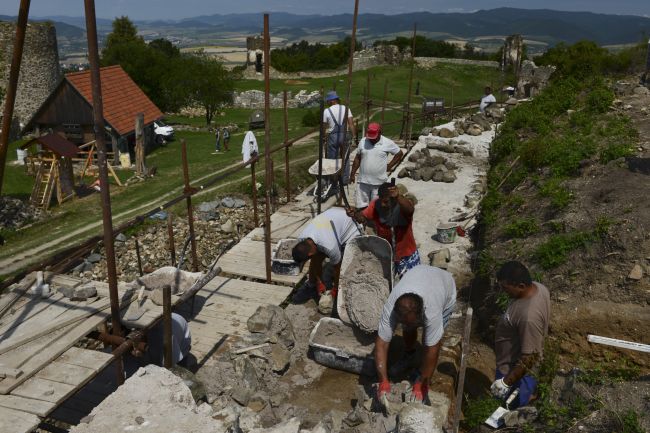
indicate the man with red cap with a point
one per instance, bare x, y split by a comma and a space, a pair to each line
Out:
372, 163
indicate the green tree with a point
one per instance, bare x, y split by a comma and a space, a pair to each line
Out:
206, 83
165, 46
123, 31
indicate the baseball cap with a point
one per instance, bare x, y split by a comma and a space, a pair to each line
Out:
331, 95
373, 131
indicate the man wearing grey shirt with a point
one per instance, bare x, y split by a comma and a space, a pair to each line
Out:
425, 296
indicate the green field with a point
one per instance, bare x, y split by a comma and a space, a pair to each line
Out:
84, 214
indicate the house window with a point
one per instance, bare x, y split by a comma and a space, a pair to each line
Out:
73, 132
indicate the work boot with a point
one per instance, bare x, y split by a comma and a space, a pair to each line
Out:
306, 292
406, 362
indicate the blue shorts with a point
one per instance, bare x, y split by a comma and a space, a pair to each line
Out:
407, 263
527, 386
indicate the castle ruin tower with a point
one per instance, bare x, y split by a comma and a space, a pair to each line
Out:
40, 71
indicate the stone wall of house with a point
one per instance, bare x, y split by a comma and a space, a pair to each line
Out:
39, 71
533, 78
255, 99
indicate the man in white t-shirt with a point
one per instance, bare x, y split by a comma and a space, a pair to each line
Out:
425, 296
372, 163
324, 237
487, 100
337, 131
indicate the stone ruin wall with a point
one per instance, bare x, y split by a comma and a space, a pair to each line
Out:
40, 71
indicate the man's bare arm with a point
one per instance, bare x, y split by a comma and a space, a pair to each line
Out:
395, 161
381, 358
429, 362
525, 363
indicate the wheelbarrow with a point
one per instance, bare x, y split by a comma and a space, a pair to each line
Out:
331, 170
354, 250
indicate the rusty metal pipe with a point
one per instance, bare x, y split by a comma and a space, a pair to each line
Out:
407, 139
383, 102
170, 235
12, 85
287, 179
98, 117
190, 211
256, 219
114, 340
137, 255
319, 179
167, 326
267, 149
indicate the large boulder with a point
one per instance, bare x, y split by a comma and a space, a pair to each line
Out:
447, 133
474, 130
482, 121
272, 321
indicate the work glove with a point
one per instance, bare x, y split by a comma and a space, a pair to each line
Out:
383, 389
320, 287
499, 389
419, 392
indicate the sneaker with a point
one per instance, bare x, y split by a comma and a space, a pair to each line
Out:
306, 292
406, 362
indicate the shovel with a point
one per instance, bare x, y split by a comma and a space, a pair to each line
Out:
496, 419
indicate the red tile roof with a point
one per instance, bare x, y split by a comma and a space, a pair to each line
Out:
122, 98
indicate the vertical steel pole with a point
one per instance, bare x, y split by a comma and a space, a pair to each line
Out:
368, 99
170, 233
12, 85
408, 97
452, 102
321, 135
98, 117
256, 219
383, 102
287, 180
267, 149
167, 326
137, 254
647, 66
190, 211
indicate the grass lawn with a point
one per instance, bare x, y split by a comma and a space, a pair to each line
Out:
467, 82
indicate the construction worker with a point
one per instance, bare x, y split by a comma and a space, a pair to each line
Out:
520, 333
372, 163
181, 342
324, 237
425, 296
337, 132
217, 136
487, 100
392, 217
226, 139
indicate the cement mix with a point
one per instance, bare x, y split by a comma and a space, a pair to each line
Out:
366, 291
284, 249
344, 338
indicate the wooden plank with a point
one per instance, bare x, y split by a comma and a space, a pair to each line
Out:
43, 389
92, 359
66, 373
623, 344
29, 405
25, 337
57, 344
240, 288
9, 372
16, 421
34, 307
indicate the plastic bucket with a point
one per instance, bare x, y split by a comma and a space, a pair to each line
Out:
21, 154
446, 233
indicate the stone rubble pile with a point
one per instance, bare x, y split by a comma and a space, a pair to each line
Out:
254, 99
428, 167
15, 213
217, 224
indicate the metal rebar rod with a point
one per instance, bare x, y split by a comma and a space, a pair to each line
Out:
408, 96
267, 149
170, 235
98, 117
137, 254
256, 219
190, 210
167, 326
319, 179
12, 84
287, 178
368, 99
383, 101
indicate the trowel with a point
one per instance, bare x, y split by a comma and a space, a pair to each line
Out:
496, 419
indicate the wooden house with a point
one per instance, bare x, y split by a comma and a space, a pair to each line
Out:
69, 110
51, 162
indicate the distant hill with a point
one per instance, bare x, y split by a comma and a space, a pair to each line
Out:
64, 30
546, 25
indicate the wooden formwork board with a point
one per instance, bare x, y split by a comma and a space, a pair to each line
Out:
247, 259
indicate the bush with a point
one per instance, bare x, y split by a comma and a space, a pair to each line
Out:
311, 118
521, 228
555, 251
599, 100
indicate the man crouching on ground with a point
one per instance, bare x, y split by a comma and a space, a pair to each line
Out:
425, 296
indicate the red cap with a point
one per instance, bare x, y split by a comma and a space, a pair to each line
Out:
373, 131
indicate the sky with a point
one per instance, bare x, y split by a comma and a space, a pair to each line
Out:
175, 9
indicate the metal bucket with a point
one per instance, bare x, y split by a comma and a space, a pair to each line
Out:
446, 233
